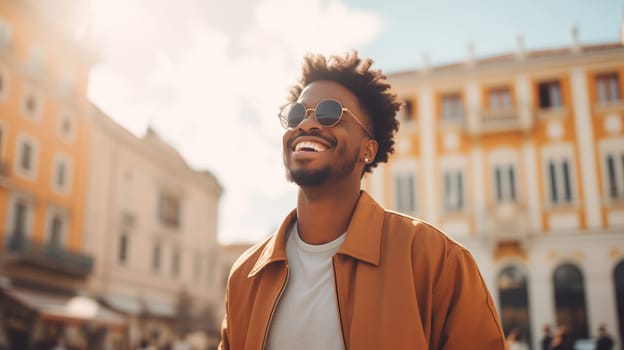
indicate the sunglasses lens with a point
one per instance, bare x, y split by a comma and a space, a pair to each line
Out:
292, 114
328, 112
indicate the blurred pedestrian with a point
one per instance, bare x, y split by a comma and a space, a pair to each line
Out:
547, 337
60, 344
515, 340
562, 340
145, 344
341, 271
604, 341
181, 344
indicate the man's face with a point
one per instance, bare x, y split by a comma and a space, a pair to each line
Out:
314, 154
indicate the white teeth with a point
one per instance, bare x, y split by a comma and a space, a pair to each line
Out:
308, 145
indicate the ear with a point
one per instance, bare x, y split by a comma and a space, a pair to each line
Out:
368, 151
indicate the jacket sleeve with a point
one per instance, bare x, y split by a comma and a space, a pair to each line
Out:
464, 315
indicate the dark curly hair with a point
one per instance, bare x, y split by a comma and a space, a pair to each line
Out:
369, 86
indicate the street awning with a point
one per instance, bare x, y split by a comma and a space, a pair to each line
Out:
127, 305
77, 309
160, 308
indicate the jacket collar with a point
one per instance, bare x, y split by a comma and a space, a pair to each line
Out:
363, 240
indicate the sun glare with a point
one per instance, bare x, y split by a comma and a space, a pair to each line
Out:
112, 19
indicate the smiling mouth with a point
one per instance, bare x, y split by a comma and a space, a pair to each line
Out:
309, 146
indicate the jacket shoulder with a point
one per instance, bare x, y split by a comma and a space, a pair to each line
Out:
421, 234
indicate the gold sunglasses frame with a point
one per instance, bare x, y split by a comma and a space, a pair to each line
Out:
284, 121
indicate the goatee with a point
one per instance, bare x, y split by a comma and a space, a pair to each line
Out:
317, 177
308, 178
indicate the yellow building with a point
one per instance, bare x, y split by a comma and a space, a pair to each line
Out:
44, 132
520, 157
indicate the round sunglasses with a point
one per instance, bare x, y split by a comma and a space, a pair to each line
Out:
327, 113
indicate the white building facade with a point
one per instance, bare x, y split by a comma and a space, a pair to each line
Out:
152, 229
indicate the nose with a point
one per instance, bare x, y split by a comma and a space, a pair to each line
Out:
309, 121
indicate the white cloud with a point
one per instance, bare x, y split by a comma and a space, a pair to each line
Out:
317, 26
216, 99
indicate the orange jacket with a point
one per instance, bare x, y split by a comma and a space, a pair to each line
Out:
400, 284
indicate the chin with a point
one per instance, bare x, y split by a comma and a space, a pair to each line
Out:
308, 178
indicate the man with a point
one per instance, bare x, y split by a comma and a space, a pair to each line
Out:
604, 341
547, 338
341, 272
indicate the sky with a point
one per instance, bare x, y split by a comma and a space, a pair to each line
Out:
209, 76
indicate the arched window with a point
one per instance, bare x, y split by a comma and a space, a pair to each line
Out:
570, 300
514, 301
618, 279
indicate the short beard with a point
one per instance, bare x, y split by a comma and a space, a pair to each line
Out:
313, 178
308, 178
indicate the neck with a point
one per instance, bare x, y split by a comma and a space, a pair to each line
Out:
324, 212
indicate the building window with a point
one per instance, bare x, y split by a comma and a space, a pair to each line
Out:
56, 227
32, 104
569, 289
505, 183
618, 279
453, 190
156, 252
406, 113
560, 181
499, 98
65, 126
122, 248
452, 107
4, 82
614, 164
20, 217
405, 194
169, 210
514, 301
26, 160
550, 94
55, 236
61, 174
608, 88
175, 263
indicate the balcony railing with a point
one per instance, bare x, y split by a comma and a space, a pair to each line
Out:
48, 257
507, 222
513, 118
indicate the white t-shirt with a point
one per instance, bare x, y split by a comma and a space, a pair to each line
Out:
306, 316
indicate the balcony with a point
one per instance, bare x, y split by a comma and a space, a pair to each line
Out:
513, 118
24, 251
507, 222
610, 106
